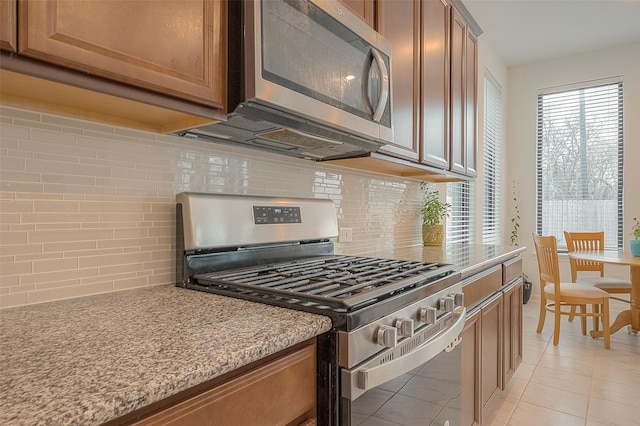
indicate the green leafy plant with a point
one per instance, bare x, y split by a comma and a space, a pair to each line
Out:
434, 211
635, 229
515, 222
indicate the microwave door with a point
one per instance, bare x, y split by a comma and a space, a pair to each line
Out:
314, 64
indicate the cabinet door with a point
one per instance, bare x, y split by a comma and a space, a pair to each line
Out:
471, 356
176, 47
458, 98
435, 81
491, 363
512, 353
399, 22
277, 393
8, 28
363, 8
470, 110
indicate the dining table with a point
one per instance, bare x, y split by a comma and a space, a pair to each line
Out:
629, 317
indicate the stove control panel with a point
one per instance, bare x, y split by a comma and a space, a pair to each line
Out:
267, 215
426, 315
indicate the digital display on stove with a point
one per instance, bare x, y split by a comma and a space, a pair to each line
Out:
264, 215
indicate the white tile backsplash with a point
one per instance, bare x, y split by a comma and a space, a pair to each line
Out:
87, 208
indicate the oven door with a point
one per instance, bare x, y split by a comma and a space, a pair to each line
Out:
417, 382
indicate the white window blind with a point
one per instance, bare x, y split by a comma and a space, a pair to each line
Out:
491, 161
459, 227
579, 160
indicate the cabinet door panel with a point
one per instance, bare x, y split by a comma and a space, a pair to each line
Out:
512, 354
170, 46
363, 8
470, 112
275, 394
398, 22
458, 99
8, 28
491, 366
508, 367
435, 77
471, 356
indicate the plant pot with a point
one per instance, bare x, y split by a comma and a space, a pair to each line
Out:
526, 291
634, 245
432, 235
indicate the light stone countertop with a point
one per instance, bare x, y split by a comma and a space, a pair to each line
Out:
468, 259
89, 360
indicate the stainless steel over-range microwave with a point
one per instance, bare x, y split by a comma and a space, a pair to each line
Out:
314, 82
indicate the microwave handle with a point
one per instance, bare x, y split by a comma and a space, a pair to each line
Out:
358, 381
384, 88
374, 55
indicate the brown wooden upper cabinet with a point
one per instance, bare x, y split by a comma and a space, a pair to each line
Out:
434, 74
175, 47
8, 28
436, 147
365, 9
399, 22
463, 86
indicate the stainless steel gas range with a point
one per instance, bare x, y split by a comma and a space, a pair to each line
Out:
393, 353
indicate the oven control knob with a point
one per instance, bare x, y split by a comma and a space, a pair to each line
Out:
458, 298
405, 327
387, 336
428, 315
446, 304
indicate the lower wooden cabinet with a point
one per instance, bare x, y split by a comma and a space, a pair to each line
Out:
282, 392
491, 338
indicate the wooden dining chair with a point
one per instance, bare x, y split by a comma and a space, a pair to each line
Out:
587, 241
583, 241
555, 295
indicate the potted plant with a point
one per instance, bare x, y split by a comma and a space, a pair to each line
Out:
634, 244
515, 222
434, 212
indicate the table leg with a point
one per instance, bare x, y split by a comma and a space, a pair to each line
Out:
635, 299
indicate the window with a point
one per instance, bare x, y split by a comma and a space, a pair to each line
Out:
459, 225
491, 160
579, 160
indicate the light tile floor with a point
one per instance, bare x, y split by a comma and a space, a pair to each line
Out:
578, 382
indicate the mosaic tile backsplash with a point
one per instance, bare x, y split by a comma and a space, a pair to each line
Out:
87, 208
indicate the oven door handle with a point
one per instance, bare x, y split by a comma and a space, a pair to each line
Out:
374, 373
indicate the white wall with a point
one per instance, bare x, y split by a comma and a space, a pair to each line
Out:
520, 143
489, 61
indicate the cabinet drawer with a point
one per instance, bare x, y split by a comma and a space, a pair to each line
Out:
482, 285
511, 269
280, 392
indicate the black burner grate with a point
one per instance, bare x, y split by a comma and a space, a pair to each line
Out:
341, 283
